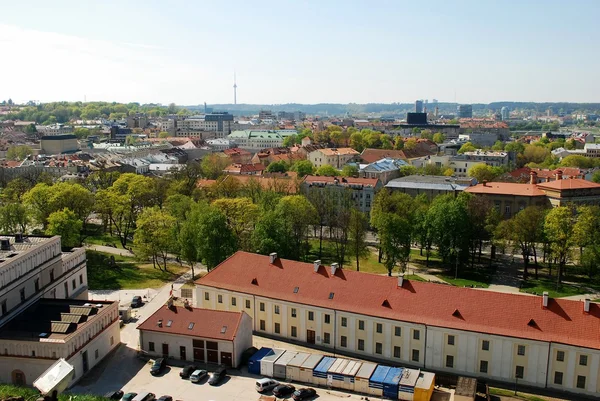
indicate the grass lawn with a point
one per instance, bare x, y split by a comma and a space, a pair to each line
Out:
477, 277
540, 285
97, 236
128, 273
7, 390
511, 393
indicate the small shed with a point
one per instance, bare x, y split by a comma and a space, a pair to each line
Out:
267, 362
424, 386
377, 379
342, 373
254, 361
280, 366
361, 379
391, 382
320, 376
306, 369
406, 387
292, 370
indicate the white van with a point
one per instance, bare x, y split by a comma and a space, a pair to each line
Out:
144, 397
263, 385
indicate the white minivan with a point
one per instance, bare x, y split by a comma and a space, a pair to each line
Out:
263, 385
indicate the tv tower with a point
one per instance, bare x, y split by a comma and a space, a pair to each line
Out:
234, 89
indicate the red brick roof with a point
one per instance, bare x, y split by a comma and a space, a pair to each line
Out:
563, 321
372, 155
349, 180
207, 323
506, 188
569, 183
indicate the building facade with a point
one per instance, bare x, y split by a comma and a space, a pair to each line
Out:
359, 191
536, 341
336, 157
255, 140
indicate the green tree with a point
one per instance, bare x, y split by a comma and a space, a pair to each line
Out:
558, 227
163, 134
19, 152
212, 165
298, 214
350, 170
357, 142
407, 170
81, 133
277, 167
271, 235
410, 144
155, 236
596, 176
327, 170
498, 146
467, 147
290, 141
241, 215
30, 129
577, 161
66, 224
516, 147
398, 143
438, 137
525, 231
14, 217
357, 233
482, 172
214, 239
303, 168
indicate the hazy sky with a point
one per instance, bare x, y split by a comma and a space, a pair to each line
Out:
309, 51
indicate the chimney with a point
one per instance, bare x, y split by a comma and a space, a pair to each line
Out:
533, 177
5, 245
273, 257
400, 280
334, 267
484, 183
586, 305
19, 237
545, 299
559, 174
317, 263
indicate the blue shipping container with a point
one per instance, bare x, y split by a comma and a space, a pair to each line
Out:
254, 361
378, 376
391, 383
321, 369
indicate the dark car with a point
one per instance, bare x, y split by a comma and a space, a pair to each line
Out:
128, 396
304, 393
217, 376
158, 366
165, 398
187, 371
283, 390
114, 395
136, 302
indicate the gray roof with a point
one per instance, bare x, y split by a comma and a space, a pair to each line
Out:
426, 185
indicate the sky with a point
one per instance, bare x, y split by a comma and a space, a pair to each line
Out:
299, 51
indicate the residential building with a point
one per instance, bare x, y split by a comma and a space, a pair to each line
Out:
499, 128
256, 140
537, 341
245, 169
197, 335
429, 185
483, 139
268, 156
295, 115
384, 170
58, 144
220, 144
137, 120
119, 134
238, 155
220, 122
336, 157
54, 129
360, 191
45, 312
266, 115
464, 111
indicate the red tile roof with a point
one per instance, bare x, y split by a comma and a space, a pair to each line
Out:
569, 183
506, 188
349, 180
563, 321
372, 155
207, 323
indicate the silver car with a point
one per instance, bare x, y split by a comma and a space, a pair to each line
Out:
198, 375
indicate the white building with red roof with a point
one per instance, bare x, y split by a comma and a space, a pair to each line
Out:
539, 341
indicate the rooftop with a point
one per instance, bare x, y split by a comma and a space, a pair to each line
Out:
313, 179
196, 322
17, 245
506, 188
386, 164
562, 321
338, 151
569, 183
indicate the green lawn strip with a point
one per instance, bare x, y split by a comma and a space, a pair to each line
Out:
540, 285
95, 235
511, 393
128, 273
477, 277
7, 390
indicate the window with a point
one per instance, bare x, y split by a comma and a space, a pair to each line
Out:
558, 378
4, 308
485, 345
449, 361
415, 355
361, 345
450, 340
293, 312
22, 292
191, 326
327, 319
277, 328
379, 328
206, 296
247, 304
73, 284
519, 371
326, 338
560, 356
276, 309
397, 352
361, 324
311, 315
483, 366
397, 331
294, 332
262, 325
583, 360
81, 279
233, 301
521, 350
220, 298
262, 306
416, 335
36, 284
344, 322
580, 381
378, 348
51, 274
96, 354
343, 341
151, 346
169, 323
507, 209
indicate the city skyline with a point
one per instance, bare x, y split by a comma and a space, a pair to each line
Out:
337, 52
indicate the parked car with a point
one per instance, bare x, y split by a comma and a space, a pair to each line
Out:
265, 384
158, 366
283, 389
187, 371
217, 376
165, 398
198, 375
128, 397
136, 302
145, 396
114, 395
304, 393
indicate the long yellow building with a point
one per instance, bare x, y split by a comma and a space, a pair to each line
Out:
537, 341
